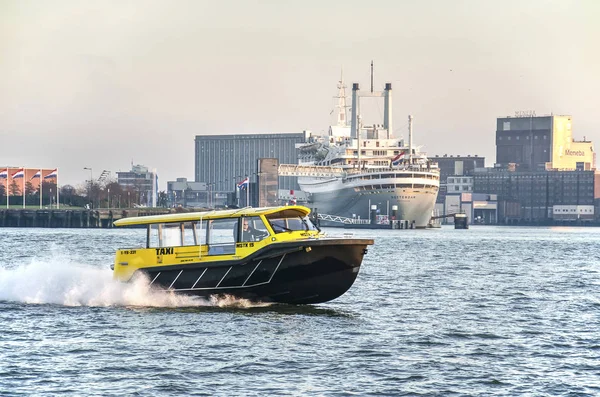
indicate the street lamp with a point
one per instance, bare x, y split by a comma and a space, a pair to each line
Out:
91, 181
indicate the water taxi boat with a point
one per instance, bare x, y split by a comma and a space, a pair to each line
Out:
273, 254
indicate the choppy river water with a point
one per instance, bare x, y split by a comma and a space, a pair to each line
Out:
485, 311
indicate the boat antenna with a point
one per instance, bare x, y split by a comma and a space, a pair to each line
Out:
371, 75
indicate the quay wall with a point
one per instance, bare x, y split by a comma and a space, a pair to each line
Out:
72, 218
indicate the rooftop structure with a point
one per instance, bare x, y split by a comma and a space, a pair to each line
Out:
531, 142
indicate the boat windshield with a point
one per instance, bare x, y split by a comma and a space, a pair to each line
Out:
291, 224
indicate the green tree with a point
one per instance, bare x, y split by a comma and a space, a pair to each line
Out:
30, 193
14, 188
111, 192
29, 189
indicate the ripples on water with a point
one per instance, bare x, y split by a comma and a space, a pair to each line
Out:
484, 311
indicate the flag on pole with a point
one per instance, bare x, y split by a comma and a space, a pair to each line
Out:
4, 174
37, 175
51, 175
243, 184
399, 157
19, 174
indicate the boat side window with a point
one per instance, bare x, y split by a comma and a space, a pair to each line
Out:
165, 235
192, 234
221, 240
253, 229
175, 234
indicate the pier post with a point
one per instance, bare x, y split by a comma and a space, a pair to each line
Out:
373, 214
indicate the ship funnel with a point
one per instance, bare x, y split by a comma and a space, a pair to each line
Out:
355, 111
387, 115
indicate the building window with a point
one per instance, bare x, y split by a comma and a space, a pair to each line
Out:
508, 138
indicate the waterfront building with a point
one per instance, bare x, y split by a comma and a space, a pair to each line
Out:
459, 184
184, 193
541, 173
222, 161
532, 143
534, 195
141, 183
456, 167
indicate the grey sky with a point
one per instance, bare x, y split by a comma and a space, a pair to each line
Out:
102, 83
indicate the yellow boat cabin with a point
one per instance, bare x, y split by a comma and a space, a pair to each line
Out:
266, 254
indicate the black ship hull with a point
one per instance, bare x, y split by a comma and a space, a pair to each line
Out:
299, 272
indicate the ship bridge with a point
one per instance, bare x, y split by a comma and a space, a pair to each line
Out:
315, 171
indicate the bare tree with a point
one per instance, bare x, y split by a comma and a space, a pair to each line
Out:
110, 193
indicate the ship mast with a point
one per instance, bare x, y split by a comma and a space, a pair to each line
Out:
371, 76
341, 106
410, 122
358, 138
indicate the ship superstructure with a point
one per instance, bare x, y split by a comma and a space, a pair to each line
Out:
357, 168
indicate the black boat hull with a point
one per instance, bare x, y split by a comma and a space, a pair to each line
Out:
299, 272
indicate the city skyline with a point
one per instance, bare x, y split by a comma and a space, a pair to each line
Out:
104, 85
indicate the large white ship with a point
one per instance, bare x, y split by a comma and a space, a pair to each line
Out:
356, 169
